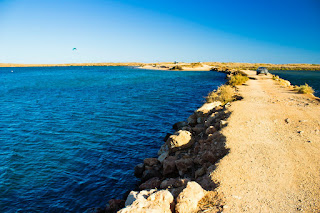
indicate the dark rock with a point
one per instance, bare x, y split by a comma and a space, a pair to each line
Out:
169, 165
148, 174
209, 157
198, 128
179, 125
211, 130
138, 170
114, 206
150, 184
183, 165
192, 120
150, 161
173, 182
166, 137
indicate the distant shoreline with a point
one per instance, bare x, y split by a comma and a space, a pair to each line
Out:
198, 66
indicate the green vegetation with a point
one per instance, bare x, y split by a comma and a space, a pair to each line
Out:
237, 80
224, 94
304, 89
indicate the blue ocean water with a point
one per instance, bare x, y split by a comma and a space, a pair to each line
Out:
300, 78
70, 136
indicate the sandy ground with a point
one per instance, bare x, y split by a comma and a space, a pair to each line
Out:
274, 162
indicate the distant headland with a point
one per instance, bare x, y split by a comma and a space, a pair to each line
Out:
203, 66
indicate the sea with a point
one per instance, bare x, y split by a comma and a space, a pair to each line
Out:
71, 136
312, 78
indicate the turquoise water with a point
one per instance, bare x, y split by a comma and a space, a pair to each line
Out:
70, 136
301, 77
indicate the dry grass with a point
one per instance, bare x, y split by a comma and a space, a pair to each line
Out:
304, 89
211, 202
281, 81
237, 80
224, 94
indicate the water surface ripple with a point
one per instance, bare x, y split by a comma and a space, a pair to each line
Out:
70, 136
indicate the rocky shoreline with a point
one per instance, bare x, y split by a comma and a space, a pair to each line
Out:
182, 178
178, 179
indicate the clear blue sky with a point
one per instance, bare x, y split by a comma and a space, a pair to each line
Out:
46, 31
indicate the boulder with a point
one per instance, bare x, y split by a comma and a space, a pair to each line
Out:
200, 172
173, 182
207, 108
210, 120
163, 148
149, 201
150, 161
183, 165
180, 140
169, 165
133, 196
192, 120
115, 205
148, 174
150, 184
210, 130
163, 156
198, 128
179, 125
187, 200
138, 170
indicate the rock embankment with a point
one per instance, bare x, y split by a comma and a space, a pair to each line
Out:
179, 177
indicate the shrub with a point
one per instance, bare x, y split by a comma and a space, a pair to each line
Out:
239, 72
275, 77
224, 94
237, 80
177, 68
304, 89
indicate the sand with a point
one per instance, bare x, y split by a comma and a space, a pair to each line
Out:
274, 162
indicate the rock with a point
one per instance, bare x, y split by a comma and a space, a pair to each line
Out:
187, 200
148, 174
286, 83
149, 201
150, 161
133, 196
180, 140
200, 172
179, 125
200, 120
192, 120
166, 137
198, 128
206, 108
150, 184
163, 156
115, 205
287, 120
138, 170
183, 165
210, 130
173, 182
223, 123
169, 165
209, 157
211, 119
164, 148
176, 191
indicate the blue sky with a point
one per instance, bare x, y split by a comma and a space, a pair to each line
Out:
46, 31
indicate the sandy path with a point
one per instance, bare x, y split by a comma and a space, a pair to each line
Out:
273, 165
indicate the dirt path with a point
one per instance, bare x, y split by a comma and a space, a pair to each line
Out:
274, 162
